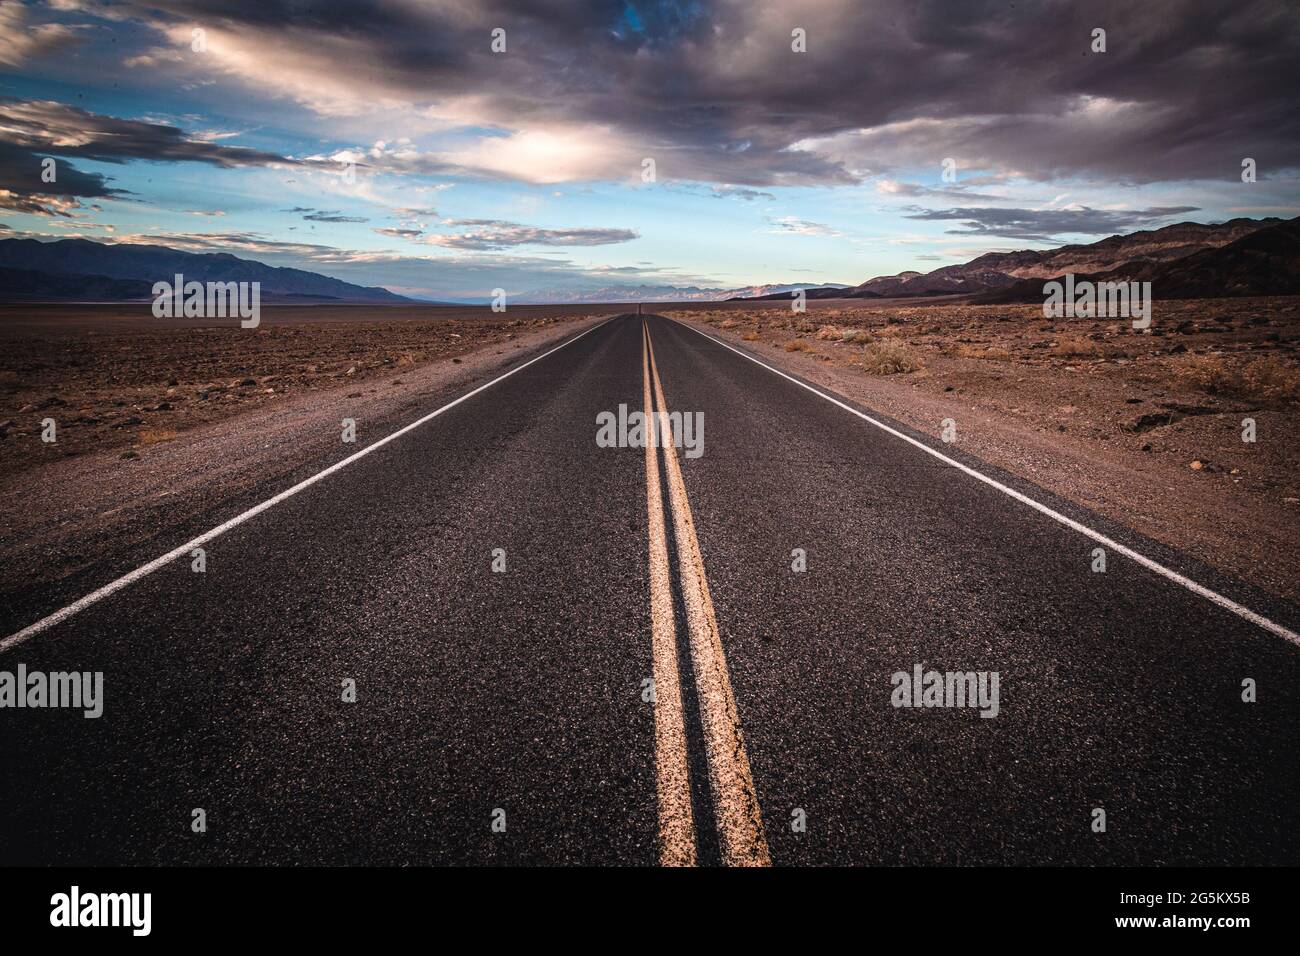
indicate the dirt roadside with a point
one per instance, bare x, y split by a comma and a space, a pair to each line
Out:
1145, 429
112, 376
63, 514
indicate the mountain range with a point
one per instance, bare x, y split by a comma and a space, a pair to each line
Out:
1264, 261
1239, 257
86, 271
1184, 260
83, 270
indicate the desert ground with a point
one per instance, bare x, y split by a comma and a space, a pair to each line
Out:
112, 376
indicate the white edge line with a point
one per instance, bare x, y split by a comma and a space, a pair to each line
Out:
1150, 565
112, 587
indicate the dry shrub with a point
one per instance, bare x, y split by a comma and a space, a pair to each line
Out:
750, 337
890, 357
1207, 373
828, 332
856, 335
1271, 377
1267, 378
1077, 348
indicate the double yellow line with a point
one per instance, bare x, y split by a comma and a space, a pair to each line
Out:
735, 805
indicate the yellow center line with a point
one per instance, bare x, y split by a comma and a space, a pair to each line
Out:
676, 823
735, 803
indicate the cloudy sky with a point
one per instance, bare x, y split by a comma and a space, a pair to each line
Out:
390, 144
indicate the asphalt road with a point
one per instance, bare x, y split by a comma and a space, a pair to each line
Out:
525, 691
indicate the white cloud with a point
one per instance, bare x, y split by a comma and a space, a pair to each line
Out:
21, 41
802, 227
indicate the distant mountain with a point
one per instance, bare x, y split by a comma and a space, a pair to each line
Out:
949, 280
657, 293
993, 271
35, 284
972, 277
1262, 262
1266, 262
783, 290
80, 269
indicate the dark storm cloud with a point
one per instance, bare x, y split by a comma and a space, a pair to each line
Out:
33, 130
1046, 224
23, 187
1186, 89
48, 127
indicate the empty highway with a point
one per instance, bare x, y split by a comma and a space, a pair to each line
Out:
564, 652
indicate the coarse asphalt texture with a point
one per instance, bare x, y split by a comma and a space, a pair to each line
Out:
518, 697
